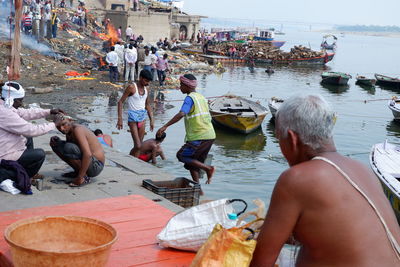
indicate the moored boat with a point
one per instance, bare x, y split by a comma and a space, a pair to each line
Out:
277, 44
237, 113
335, 78
387, 81
191, 51
394, 106
274, 104
362, 80
321, 60
385, 162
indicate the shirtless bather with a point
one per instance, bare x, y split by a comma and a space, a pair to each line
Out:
81, 150
151, 149
314, 201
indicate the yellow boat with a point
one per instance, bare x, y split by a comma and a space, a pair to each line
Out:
237, 113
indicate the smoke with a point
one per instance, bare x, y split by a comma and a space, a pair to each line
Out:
26, 41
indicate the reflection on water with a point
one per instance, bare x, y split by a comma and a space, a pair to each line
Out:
369, 88
336, 89
393, 128
229, 140
390, 88
271, 130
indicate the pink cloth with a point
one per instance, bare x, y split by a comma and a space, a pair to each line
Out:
14, 128
190, 83
162, 64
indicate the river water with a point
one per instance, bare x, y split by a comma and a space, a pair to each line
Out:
247, 167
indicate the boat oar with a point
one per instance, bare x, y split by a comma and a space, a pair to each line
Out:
381, 99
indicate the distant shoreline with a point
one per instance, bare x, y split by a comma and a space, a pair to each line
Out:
376, 34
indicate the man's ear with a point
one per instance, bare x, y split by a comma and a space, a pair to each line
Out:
293, 140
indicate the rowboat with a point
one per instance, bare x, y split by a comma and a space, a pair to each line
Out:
362, 80
325, 45
387, 81
274, 104
335, 78
237, 113
394, 106
385, 162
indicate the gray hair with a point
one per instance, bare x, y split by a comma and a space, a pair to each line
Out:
310, 116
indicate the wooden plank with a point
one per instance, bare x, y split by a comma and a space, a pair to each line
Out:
137, 220
146, 255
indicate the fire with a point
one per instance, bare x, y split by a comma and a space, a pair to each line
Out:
111, 35
102, 63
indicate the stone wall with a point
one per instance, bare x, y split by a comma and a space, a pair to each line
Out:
154, 25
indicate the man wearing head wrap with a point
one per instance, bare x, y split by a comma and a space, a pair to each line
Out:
200, 132
15, 130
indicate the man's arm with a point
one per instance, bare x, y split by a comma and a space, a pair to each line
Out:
129, 90
154, 153
186, 108
174, 120
33, 113
282, 216
82, 142
160, 150
150, 113
17, 125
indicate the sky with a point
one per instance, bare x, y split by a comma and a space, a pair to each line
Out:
338, 12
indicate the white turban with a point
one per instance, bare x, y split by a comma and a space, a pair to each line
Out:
10, 92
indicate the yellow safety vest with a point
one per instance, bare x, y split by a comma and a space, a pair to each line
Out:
198, 124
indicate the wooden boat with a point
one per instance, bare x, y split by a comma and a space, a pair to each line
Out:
325, 45
277, 44
335, 78
237, 113
362, 80
394, 106
191, 51
321, 60
274, 104
387, 81
385, 161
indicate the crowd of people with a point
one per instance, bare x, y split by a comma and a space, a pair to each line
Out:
126, 57
40, 18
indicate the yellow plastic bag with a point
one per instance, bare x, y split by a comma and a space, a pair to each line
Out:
227, 248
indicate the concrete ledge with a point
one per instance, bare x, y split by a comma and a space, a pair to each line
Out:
122, 175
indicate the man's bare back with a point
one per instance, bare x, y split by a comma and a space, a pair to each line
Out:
151, 149
359, 238
94, 145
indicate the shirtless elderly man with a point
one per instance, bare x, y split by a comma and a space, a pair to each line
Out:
314, 201
81, 150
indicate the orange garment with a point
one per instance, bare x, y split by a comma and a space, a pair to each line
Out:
75, 73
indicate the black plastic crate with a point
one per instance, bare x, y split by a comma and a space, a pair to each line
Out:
181, 191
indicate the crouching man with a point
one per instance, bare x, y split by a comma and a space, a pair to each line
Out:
81, 150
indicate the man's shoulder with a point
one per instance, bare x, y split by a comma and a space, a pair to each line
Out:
304, 174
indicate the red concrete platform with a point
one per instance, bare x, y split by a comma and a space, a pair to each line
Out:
137, 220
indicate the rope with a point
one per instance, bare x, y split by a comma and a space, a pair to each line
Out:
392, 240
